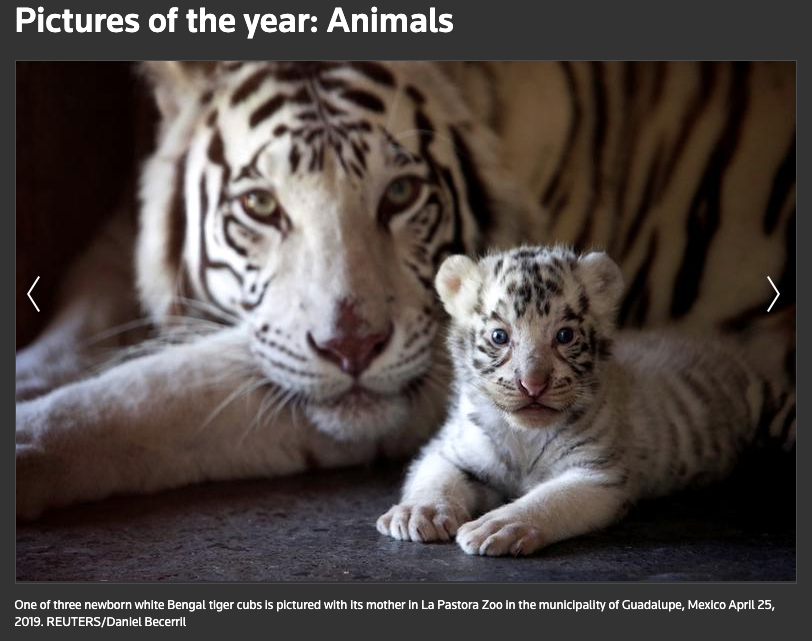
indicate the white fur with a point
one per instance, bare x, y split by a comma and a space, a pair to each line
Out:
67, 422
645, 431
186, 413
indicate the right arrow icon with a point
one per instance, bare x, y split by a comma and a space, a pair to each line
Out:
777, 294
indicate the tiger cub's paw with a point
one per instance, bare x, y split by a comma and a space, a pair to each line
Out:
422, 522
497, 534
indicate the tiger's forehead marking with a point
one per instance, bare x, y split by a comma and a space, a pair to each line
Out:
330, 101
541, 281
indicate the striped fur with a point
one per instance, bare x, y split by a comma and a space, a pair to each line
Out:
326, 139
622, 417
684, 172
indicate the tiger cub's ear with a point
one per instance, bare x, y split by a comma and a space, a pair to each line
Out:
457, 282
603, 281
174, 82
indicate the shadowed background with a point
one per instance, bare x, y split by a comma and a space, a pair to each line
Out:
82, 128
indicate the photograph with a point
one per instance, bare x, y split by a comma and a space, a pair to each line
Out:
405, 321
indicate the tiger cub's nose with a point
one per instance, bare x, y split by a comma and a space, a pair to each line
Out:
531, 385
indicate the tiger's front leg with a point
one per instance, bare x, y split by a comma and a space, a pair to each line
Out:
161, 421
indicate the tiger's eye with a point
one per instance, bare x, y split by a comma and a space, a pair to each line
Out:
259, 203
400, 191
499, 337
564, 335
400, 194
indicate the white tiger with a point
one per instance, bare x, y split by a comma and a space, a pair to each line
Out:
293, 216
559, 416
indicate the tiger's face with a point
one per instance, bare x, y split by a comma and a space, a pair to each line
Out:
313, 203
532, 328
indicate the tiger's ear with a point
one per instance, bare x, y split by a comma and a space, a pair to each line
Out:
174, 82
457, 282
603, 280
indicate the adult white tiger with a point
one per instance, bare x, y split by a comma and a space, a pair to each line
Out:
308, 205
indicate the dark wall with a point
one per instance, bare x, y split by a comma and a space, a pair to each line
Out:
81, 128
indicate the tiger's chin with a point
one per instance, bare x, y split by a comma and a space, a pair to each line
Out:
360, 414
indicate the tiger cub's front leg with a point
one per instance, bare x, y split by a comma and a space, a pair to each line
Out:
437, 499
161, 421
573, 503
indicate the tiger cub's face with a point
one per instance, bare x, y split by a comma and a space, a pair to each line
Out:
531, 328
314, 202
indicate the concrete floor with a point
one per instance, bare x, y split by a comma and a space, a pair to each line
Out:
319, 527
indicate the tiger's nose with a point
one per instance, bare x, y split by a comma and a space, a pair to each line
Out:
532, 386
352, 348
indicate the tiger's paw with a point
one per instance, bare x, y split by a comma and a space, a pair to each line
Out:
422, 522
498, 534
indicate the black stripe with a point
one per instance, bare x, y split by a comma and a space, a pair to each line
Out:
769, 405
788, 420
363, 99
375, 72
415, 95
250, 86
704, 215
217, 156
479, 200
359, 155
425, 129
702, 98
644, 205
783, 182
229, 220
787, 283
572, 134
660, 75
637, 295
632, 121
176, 231
250, 170
598, 142
298, 71
572, 447
552, 437
216, 151
250, 306
204, 259
700, 388
438, 218
266, 110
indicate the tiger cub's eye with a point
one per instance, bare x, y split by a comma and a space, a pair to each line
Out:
564, 335
499, 337
259, 203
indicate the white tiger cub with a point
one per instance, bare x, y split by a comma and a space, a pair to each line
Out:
557, 415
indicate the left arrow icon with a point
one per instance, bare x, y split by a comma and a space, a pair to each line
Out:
29, 294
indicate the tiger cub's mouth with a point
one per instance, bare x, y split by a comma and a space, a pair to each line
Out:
537, 408
537, 411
